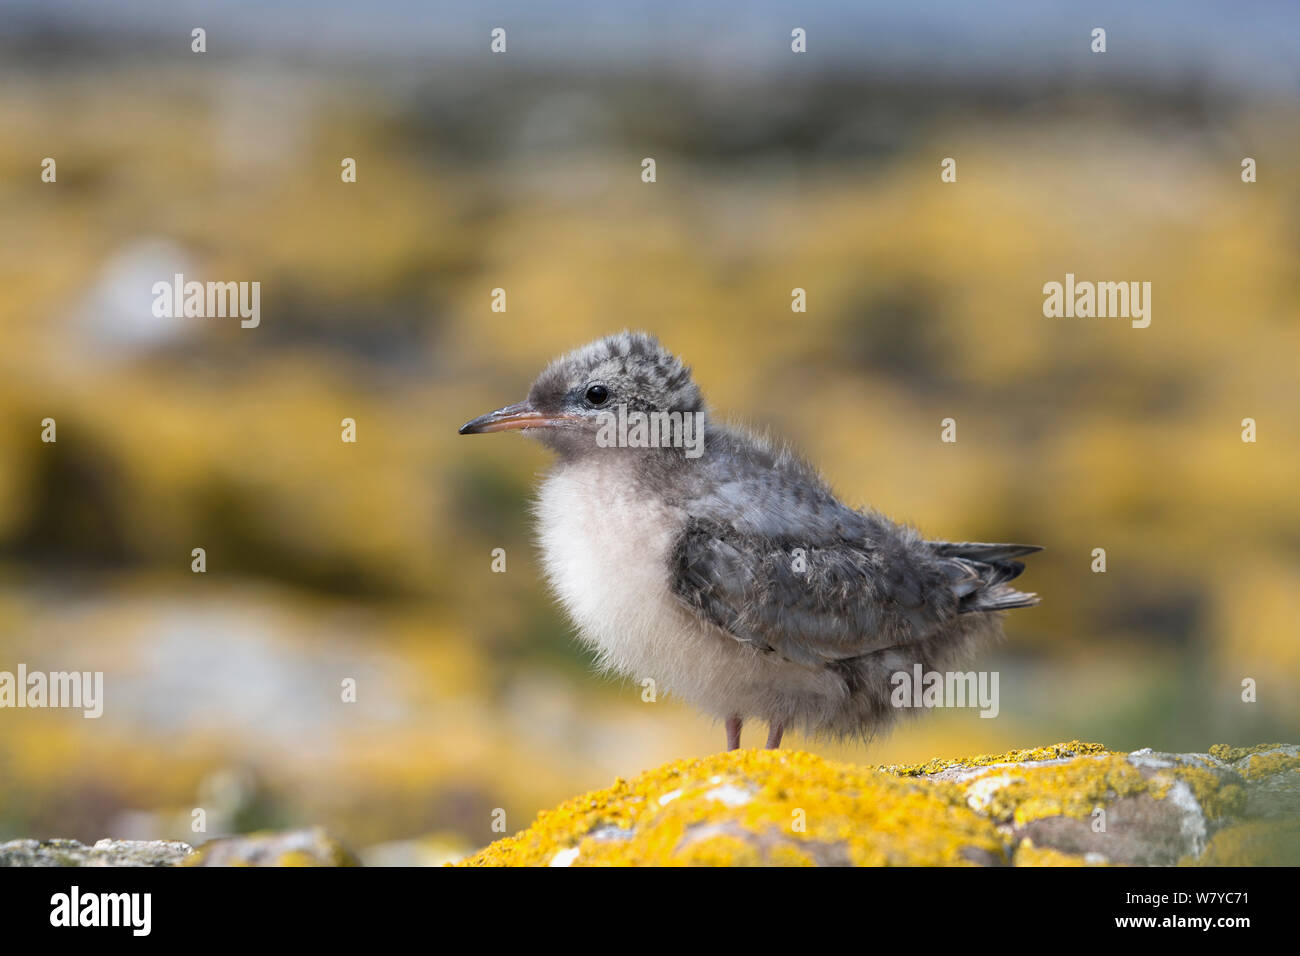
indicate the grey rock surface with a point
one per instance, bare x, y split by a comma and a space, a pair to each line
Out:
103, 853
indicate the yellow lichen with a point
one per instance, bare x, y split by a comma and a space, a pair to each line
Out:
1071, 789
1029, 855
757, 806
1230, 754
298, 858
720, 851
1219, 797
789, 808
1253, 843
1264, 765
1074, 748
788, 855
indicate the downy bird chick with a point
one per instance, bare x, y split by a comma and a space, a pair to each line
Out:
729, 573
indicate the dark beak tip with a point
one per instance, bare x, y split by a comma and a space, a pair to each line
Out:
511, 417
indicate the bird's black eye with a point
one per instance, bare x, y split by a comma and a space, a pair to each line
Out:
597, 395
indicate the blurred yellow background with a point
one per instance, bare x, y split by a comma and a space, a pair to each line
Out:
372, 560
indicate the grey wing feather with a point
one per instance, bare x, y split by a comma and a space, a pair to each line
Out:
833, 602
838, 599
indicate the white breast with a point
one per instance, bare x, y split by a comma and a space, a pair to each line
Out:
606, 551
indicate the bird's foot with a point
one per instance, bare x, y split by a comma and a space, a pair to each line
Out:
733, 732
734, 723
774, 733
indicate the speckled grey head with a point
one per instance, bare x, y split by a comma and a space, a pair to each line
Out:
632, 368
576, 392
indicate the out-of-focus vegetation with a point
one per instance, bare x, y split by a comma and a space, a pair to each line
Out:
371, 560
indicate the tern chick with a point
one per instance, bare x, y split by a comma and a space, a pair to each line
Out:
730, 574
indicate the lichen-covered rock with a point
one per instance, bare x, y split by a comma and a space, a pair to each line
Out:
1139, 808
754, 807
312, 847
1271, 778
1027, 854
1068, 804
1254, 843
103, 853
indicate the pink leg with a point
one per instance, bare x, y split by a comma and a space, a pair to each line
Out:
733, 732
774, 733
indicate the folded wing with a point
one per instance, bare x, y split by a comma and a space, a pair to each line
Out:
833, 600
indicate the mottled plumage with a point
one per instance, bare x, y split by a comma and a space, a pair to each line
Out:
737, 580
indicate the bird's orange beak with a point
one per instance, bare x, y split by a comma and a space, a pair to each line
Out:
518, 415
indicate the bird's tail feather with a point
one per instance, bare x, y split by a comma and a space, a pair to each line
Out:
997, 599
979, 551
980, 573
